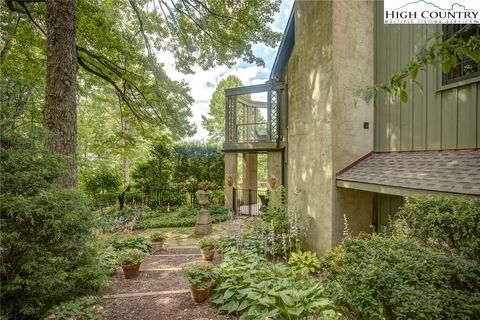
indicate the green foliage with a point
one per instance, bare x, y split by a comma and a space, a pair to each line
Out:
253, 288
200, 274
282, 231
132, 256
215, 122
26, 167
446, 223
306, 259
109, 259
197, 162
447, 53
374, 277
90, 307
241, 243
102, 184
122, 242
207, 244
181, 219
48, 251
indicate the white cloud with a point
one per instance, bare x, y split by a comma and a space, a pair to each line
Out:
201, 81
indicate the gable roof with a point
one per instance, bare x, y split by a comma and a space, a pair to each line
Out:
408, 173
285, 48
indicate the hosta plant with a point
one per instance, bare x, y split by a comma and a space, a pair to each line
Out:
306, 259
251, 287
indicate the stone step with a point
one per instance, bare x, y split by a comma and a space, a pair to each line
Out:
143, 294
149, 281
168, 261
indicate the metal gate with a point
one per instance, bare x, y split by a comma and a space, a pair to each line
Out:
249, 202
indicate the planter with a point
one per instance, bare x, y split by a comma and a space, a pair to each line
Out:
202, 197
130, 270
200, 295
208, 254
157, 246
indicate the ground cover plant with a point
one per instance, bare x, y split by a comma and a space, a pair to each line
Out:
122, 242
184, 217
250, 286
89, 307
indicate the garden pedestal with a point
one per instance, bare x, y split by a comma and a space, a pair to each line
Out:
204, 222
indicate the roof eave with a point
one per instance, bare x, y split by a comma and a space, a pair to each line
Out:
285, 47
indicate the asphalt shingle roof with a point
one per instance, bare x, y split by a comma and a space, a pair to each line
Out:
442, 171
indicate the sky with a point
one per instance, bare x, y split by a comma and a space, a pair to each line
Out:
203, 83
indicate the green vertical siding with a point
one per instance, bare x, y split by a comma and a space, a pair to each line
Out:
432, 119
386, 206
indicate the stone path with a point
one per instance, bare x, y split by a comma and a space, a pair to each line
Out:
159, 291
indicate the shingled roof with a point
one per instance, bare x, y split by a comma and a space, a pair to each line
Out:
402, 173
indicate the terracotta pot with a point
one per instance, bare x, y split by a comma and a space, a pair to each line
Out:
157, 246
208, 254
200, 295
130, 270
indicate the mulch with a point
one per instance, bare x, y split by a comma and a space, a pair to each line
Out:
177, 306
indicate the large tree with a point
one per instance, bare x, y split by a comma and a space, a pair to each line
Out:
123, 43
214, 123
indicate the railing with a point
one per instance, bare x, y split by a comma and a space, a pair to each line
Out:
249, 202
245, 118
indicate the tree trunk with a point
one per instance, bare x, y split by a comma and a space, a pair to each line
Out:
60, 113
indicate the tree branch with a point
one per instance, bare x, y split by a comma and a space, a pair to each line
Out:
140, 26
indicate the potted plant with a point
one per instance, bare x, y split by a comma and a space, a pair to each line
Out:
207, 247
131, 261
200, 276
158, 239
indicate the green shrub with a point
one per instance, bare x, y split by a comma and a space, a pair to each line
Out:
374, 277
183, 218
47, 251
253, 288
91, 308
102, 184
451, 223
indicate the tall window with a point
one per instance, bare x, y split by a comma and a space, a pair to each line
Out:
466, 68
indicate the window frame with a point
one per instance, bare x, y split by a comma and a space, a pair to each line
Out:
460, 81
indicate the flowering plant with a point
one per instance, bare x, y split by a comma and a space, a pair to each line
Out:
133, 256
199, 274
90, 307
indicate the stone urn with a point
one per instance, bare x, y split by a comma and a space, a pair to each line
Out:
204, 221
202, 197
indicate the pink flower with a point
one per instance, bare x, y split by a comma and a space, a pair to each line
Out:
52, 316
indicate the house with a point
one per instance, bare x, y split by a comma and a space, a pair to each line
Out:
339, 158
